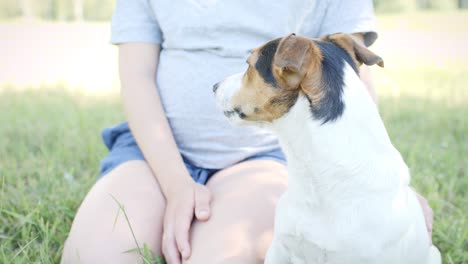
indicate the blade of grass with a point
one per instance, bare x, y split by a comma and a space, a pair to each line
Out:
22, 249
128, 222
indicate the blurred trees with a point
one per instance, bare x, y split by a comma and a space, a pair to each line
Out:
26, 8
72, 10
63, 10
394, 6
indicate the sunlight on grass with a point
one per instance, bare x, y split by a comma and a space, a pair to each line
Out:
445, 86
455, 21
77, 55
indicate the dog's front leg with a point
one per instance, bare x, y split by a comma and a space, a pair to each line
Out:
277, 254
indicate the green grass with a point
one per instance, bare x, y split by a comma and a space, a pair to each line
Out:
49, 156
50, 149
430, 131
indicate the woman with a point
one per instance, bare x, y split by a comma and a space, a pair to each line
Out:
178, 159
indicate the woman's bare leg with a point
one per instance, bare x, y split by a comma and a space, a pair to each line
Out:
94, 238
240, 228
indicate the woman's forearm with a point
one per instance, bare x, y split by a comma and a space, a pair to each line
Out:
146, 117
364, 71
366, 77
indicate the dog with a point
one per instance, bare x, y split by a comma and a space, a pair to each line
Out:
348, 198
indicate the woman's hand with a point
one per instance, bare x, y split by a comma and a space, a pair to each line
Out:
428, 214
182, 204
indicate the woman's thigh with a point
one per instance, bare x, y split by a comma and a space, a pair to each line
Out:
99, 234
241, 226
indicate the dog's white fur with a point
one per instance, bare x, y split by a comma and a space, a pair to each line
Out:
348, 198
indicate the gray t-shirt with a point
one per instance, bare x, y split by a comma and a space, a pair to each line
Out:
203, 41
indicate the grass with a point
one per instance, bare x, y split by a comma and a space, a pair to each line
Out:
146, 254
50, 149
430, 132
49, 156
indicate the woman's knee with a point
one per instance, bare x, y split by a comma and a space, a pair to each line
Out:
251, 175
245, 240
122, 210
241, 227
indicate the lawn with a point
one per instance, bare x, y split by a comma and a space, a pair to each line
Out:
50, 142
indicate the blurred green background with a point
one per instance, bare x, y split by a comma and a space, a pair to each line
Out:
59, 87
98, 10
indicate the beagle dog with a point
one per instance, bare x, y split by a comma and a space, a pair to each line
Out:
348, 199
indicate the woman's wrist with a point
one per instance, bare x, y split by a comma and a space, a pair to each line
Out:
178, 181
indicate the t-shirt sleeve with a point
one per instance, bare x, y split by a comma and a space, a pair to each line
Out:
350, 16
134, 21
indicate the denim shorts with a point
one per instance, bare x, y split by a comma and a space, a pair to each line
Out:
123, 147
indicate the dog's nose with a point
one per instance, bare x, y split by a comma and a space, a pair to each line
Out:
215, 87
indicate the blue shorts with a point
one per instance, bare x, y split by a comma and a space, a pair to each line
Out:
123, 147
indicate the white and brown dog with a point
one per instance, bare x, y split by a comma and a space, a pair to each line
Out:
348, 199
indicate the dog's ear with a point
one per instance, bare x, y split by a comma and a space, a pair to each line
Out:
359, 53
290, 58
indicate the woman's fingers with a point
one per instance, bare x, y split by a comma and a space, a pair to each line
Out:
179, 216
183, 222
169, 248
202, 202
428, 215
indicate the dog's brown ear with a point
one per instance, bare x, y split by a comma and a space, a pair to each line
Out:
291, 53
290, 58
359, 53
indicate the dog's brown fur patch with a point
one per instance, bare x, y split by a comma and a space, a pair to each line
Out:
358, 52
296, 67
261, 101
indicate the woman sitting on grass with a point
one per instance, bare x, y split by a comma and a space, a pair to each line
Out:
195, 189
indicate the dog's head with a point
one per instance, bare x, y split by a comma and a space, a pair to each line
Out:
285, 68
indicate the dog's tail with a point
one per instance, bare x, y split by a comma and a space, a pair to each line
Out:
434, 256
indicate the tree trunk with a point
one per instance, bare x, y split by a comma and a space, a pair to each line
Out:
423, 4
78, 10
463, 4
27, 9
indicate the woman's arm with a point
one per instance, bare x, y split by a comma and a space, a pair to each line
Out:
138, 67
364, 71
